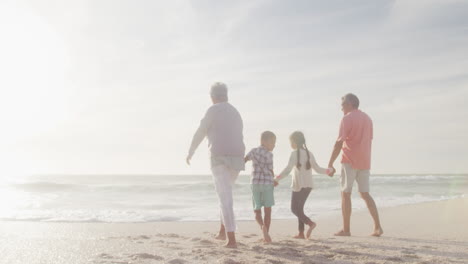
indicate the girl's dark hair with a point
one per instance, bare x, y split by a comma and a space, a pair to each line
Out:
298, 138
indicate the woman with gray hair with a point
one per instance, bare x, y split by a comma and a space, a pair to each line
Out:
223, 126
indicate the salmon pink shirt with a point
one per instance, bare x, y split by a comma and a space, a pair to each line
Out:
356, 132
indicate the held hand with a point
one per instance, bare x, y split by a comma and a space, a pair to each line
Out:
331, 171
275, 183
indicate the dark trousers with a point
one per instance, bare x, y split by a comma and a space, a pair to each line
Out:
298, 200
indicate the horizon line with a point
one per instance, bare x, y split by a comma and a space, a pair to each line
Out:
205, 174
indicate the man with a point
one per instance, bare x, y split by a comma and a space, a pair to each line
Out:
355, 139
223, 126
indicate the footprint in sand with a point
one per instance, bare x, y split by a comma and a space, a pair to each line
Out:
409, 254
347, 253
257, 248
206, 242
105, 256
285, 251
427, 262
328, 256
272, 261
229, 261
308, 262
429, 247
177, 261
396, 259
170, 235
250, 236
240, 244
145, 256
114, 262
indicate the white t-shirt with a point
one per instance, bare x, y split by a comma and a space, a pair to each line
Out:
302, 178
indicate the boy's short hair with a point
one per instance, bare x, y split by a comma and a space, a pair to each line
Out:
267, 135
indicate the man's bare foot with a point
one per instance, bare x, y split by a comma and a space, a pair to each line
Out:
311, 228
377, 232
299, 236
231, 245
342, 233
221, 236
266, 236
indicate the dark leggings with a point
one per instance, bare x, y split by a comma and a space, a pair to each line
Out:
298, 200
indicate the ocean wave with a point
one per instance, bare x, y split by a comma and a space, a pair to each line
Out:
45, 186
126, 199
206, 213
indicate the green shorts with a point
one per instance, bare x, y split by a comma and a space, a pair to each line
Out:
262, 196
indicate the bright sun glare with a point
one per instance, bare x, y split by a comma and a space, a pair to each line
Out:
33, 65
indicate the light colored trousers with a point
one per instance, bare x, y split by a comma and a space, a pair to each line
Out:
224, 179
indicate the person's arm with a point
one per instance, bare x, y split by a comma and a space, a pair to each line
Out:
200, 134
336, 151
292, 162
315, 166
345, 127
248, 157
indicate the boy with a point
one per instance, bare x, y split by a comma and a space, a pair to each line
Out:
263, 182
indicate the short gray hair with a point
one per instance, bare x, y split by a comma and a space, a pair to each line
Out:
352, 99
219, 90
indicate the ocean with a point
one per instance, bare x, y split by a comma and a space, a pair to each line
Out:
136, 198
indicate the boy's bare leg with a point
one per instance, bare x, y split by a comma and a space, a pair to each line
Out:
259, 218
222, 233
378, 231
267, 219
231, 236
266, 226
346, 211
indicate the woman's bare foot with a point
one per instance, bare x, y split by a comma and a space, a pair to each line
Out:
311, 228
231, 236
342, 233
377, 232
266, 236
299, 236
221, 236
231, 245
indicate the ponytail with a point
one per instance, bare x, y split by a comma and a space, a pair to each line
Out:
298, 164
308, 165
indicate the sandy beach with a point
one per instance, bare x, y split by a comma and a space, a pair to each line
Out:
435, 232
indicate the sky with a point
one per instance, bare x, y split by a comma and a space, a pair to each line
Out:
119, 86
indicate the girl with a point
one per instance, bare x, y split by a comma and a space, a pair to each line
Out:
302, 161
